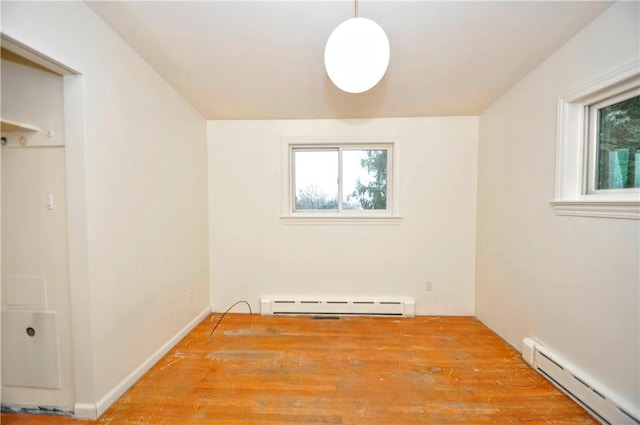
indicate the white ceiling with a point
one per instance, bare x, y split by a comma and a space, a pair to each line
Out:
264, 59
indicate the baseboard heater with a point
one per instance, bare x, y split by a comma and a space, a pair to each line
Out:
560, 373
399, 307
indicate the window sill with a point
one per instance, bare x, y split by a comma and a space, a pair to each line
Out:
324, 219
598, 208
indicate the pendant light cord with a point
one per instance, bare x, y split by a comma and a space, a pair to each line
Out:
356, 8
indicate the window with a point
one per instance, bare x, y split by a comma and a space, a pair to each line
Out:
614, 133
598, 156
350, 181
338, 179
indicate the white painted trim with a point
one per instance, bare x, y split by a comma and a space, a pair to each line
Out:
571, 188
593, 87
607, 209
85, 411
78, 245
112, 396
35, 56
341, 219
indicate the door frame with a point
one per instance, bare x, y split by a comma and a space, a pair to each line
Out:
77, 223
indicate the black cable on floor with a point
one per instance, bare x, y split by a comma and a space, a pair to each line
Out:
225, 313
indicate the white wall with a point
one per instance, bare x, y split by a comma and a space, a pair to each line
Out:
254, 254
146, 197
571, 283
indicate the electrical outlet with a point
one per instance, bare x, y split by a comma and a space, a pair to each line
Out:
428, 286
190, 297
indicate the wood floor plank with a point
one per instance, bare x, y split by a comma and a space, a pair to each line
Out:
357, 370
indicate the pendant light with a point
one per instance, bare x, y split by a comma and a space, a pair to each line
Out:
356, 55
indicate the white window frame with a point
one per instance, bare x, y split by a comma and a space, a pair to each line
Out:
575, 193
390, 216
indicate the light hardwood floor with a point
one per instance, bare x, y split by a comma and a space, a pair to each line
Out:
357, 370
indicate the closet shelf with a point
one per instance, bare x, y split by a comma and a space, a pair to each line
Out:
12, 126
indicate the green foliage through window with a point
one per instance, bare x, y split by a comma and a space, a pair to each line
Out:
372, 193
618, 163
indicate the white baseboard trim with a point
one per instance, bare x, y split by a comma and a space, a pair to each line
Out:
94, 411
85, 411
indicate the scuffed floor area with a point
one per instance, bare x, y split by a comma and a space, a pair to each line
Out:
357, 370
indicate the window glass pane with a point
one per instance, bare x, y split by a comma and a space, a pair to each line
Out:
364, 179
619, 145
316, 179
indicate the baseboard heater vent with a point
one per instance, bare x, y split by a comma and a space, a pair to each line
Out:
564, 376
402, 307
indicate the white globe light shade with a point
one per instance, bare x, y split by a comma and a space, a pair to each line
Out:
356, 56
